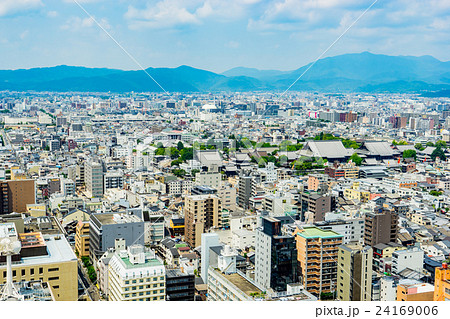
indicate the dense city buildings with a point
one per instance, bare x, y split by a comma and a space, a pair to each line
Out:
226, 196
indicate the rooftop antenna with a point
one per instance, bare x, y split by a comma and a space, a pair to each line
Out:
9, 246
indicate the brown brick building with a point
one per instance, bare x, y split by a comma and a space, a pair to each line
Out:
16, 194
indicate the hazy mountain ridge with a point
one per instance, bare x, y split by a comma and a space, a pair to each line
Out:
359, 72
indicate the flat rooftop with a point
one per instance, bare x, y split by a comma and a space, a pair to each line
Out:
315, 232
116, 218
241, 283
58, 249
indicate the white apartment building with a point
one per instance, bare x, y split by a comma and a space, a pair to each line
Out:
408, 258
136, 275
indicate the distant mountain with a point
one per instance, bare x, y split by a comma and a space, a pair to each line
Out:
253, 73
359, 72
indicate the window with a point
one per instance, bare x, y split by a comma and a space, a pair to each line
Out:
41, 270
23, 272
32, 271
14, 273
53, 278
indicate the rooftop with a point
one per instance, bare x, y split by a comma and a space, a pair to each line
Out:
315, 232
241, 283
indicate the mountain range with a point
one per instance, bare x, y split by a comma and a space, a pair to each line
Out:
357, 72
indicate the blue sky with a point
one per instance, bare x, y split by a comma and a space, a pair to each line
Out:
215, 35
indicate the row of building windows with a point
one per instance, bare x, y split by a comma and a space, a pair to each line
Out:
32, 271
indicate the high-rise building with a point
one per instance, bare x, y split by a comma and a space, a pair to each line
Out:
136, 275
201, 212
245, 191
314, 206
354, 275
16, 194
380, 226
94, 179
275, 255
317, 257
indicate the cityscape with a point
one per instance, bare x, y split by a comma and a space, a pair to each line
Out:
329, 182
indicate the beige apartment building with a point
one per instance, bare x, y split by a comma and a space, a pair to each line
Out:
201, 212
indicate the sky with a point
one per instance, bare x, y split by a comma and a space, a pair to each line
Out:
215, 35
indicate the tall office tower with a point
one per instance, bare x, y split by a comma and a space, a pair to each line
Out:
354, 279
380, 226
16, 194
276, 255
94, 179
201, 212
245, 191
317, 257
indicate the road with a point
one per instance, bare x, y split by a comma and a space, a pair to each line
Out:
91, 290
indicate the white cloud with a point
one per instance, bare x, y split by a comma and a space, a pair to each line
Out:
232, 45
166, 13
24, 34
173, 13
77, 23
52, 14
14, 6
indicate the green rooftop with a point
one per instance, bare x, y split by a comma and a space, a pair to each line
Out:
315, 232
148, 263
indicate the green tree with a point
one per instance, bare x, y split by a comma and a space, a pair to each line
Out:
178, 172
174, 153
187, 153
176, 162
438, 152
441, 144
419, 147
409, 154
355, 158
180, 145
160, 151
429, 144
195, 171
